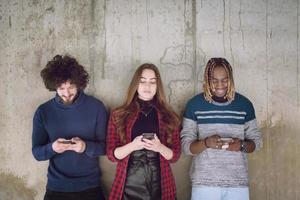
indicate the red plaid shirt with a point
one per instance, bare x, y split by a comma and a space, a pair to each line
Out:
168, 187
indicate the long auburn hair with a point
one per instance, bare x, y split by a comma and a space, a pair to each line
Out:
131, 106
208, 86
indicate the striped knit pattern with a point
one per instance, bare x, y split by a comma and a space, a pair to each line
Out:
236, 119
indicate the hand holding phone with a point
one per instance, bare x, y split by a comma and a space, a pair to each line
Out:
226, 139
67, 142
226, 142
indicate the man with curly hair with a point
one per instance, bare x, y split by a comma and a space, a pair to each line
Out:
69, 130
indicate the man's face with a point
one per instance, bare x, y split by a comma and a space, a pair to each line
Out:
219, 82
67, 92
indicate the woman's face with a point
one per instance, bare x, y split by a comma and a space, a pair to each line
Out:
147, 85
219, 82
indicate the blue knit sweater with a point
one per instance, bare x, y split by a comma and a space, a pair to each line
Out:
86, 118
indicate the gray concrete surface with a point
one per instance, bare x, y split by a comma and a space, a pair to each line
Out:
112, 37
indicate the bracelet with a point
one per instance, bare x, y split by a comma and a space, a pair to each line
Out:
243, 147
205, 143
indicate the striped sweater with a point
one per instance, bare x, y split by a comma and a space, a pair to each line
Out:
236, 119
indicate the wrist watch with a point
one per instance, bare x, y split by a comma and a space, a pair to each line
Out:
243, 146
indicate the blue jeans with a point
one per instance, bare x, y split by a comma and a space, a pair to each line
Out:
220, 193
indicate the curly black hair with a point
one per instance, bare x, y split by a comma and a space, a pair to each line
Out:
61, 69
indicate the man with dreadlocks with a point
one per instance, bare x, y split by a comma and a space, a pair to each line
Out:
219, 129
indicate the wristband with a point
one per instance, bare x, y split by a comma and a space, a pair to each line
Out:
243, 146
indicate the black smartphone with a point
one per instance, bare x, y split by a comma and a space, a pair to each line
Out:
148, 136
67, 142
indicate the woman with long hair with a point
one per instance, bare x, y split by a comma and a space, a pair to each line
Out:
143, 138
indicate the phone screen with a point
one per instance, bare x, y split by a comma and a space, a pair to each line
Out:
149, 136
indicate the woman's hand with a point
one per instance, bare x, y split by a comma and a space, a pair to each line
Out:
157, 146
123, 151
153, 145
138, 143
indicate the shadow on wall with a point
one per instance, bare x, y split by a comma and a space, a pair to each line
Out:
14, 188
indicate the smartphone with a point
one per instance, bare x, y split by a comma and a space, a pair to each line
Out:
226, 140
67, 142
148, 136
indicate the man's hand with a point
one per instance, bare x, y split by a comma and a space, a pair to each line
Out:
235, 145
59, 147
79, 145
213, 142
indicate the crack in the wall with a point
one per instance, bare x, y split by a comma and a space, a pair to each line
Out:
104, 47
230, 35
298, 102
92, 52
268, 141
9, 22
224, 17
194, 38
188, 29
132, 33
182, 55
298, 97
147, 16
240, 23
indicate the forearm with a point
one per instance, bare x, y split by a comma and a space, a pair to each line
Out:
123, 151
166, 152
43, 152
197, 146
94, 149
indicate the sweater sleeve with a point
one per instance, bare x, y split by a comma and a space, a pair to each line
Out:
97, 147
251, 129
176, 148
41, 146
189, 132
113, 140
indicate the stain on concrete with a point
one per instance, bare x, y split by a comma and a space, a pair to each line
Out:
35, 2
50, 9
9, 21
14, 188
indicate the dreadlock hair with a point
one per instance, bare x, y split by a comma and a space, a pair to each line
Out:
208, 86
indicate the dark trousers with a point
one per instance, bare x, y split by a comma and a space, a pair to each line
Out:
89, 194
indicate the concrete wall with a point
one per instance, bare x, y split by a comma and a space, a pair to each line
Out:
111, 38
